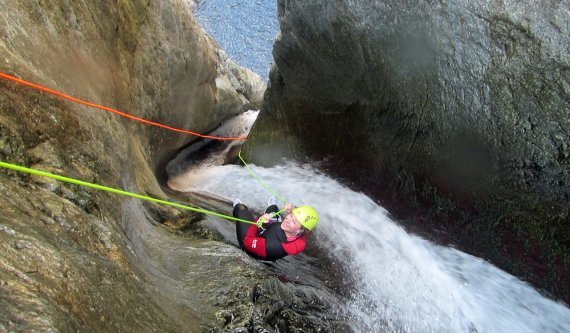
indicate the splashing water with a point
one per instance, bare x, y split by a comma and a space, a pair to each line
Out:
404, 283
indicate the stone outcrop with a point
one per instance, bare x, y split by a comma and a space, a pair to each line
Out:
238, 88
455, 115
74, 259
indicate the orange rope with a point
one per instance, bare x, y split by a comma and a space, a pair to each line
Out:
101, 107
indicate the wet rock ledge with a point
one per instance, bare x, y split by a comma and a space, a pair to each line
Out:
73, 259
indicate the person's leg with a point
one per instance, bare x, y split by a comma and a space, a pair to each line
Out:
241, 211
272, 208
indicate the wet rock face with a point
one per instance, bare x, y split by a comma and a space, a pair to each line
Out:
238, 88
456, 111
72, 258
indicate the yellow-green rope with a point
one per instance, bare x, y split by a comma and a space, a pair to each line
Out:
259, 180
116, 191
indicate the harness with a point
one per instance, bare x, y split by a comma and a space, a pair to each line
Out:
274, 236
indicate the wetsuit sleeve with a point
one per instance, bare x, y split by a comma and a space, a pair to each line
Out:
253, 244
294, 247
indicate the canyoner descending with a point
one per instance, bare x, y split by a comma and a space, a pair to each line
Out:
275, 235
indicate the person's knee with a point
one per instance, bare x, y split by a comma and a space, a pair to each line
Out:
272, 209
237, 208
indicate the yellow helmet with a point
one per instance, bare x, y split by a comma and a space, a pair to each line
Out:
307, 216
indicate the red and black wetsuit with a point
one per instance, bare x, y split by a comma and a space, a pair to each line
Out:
269, 244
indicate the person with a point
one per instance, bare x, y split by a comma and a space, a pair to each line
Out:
274, 236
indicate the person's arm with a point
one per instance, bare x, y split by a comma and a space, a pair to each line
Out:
265, 218
253, 244
295, 247
286, 210
289, 207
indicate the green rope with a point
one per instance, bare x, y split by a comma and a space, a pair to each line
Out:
259, 180
117, 191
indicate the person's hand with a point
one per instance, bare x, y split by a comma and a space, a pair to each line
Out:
289, 207
265, 218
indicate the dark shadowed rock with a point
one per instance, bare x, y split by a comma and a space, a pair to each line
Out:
455, 115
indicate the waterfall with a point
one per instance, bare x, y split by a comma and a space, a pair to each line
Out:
403, 282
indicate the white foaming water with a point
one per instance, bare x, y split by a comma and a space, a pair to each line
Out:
403, 283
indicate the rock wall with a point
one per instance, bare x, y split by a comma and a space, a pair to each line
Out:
74, 259
453, 114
